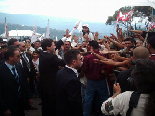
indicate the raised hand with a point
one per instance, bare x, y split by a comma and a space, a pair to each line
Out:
86, 37
96, 60
30, 102
106, 36
96, 34
7, 113
117, 29
67, 33
113, 36
120, 31
117, 88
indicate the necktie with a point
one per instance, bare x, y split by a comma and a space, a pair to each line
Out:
26, 61
14, 73
17, 79
77, 75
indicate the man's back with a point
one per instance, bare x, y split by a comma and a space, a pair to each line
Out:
48, 67
93, 70
123, 80
68, 93
48, 64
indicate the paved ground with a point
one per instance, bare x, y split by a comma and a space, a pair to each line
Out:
35, 112
38, 112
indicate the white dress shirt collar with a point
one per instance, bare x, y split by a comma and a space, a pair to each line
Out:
73, 70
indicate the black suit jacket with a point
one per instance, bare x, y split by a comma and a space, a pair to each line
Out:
9, 89
31, 74
122, 80
68, 93
48, 67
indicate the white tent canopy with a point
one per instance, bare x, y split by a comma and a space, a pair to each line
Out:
15, 33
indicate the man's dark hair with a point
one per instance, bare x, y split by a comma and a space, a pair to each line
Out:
12, 47
128, 39
37, 41
36, 52
68, 42
71, 55
84, 41
144, 79
11, 41
151, 41
10, 52
133, 41
94, 44
28, 39
4, 46
46, 43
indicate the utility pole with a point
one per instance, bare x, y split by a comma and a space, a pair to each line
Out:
5, 31
125, 22
153, 16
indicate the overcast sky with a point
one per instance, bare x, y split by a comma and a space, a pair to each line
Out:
86, 10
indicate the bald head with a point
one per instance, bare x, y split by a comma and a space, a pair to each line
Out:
22, 47
140, 53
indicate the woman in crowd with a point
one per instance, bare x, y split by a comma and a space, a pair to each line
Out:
35, 60
87, 35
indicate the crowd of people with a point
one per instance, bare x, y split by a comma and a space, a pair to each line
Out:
114, 75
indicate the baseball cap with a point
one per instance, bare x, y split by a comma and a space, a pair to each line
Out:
85, 25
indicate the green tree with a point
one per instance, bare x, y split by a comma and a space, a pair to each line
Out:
139, 11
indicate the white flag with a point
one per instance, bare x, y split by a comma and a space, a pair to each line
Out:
34, 38
42, 37
17, 33
77, 24
80, 26
6, 29
48, 31
56, 38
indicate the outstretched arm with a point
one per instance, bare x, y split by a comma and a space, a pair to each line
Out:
136, 31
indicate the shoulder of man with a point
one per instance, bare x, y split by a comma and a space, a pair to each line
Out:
46, 54
3, 68
64, 73
28, 54
2, 65
126, 72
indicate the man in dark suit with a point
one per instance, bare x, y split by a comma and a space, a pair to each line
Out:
26, 62
48, 66
14, 89
27, 65
68, 86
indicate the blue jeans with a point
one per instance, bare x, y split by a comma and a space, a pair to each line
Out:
95, 87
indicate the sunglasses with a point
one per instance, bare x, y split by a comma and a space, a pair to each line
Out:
18, 56
23, 46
